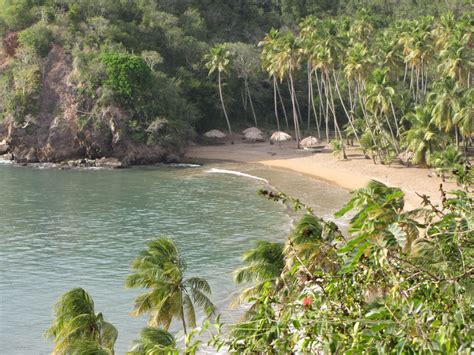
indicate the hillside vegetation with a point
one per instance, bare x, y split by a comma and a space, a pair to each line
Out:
124, 78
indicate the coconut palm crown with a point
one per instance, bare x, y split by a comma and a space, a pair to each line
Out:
160, 270
77, 329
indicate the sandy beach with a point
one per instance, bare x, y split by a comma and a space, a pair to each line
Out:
353, 173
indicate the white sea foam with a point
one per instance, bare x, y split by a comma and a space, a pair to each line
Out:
237, 173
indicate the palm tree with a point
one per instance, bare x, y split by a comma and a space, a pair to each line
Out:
268, 45
446, 161
464, 117
245, 62
77, 327
217, 60
311, 244
456, 59
417, 51
423, 136
379, 101
446, 103
264, 266
286, 61
361, 29
154, 341
160, 270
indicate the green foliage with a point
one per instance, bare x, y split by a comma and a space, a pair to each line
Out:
38, 37
22, 86
154, 341
127, 75
401, 283
160, 270
18, 14
447, 160
336, 147
77, 329
369, 63
264, 265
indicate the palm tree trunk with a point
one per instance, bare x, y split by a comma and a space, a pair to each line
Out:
366, 119
318, 84
313, 106
223, 107
275, 101
183, 320
324, 85
244, 99
283, 107
309, 95
336, 125
456, 136
349, 117
295, 114
395, 119
251, 102
395, 145
300, 117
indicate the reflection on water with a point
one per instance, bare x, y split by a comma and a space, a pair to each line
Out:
65, 229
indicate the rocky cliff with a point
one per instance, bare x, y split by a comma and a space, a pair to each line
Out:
55, 135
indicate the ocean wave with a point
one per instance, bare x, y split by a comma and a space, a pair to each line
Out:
236, 173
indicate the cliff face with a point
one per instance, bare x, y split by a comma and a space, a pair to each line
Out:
54, 134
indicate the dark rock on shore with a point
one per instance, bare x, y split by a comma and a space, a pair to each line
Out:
56, 135
4, 147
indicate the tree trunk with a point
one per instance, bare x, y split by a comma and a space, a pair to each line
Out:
395, 145
291, 88
309, 95
349, 117
223, 107
395, 119
366, 119
313, 106
326, 114
295, 114
251, 102
183, 320
275, 101
283, 107
244, 99
336, 125
318, 84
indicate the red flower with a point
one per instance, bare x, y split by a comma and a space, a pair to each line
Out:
307, 301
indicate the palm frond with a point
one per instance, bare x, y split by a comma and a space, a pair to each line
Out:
203, 301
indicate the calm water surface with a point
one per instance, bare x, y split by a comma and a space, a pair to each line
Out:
65, 229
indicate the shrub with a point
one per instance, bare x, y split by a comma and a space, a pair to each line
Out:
21, 98
127, 75
19, 14
38, 37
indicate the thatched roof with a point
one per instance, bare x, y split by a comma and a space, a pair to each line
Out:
254, 136
280, 136
309, 142
215, 133
251, 129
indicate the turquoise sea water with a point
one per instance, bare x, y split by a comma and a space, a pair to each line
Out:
65, 229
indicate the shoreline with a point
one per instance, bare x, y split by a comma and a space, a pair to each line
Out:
349, 174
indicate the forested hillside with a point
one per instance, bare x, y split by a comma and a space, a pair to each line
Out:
121, 76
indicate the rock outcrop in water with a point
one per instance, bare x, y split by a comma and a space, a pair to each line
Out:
55, 135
